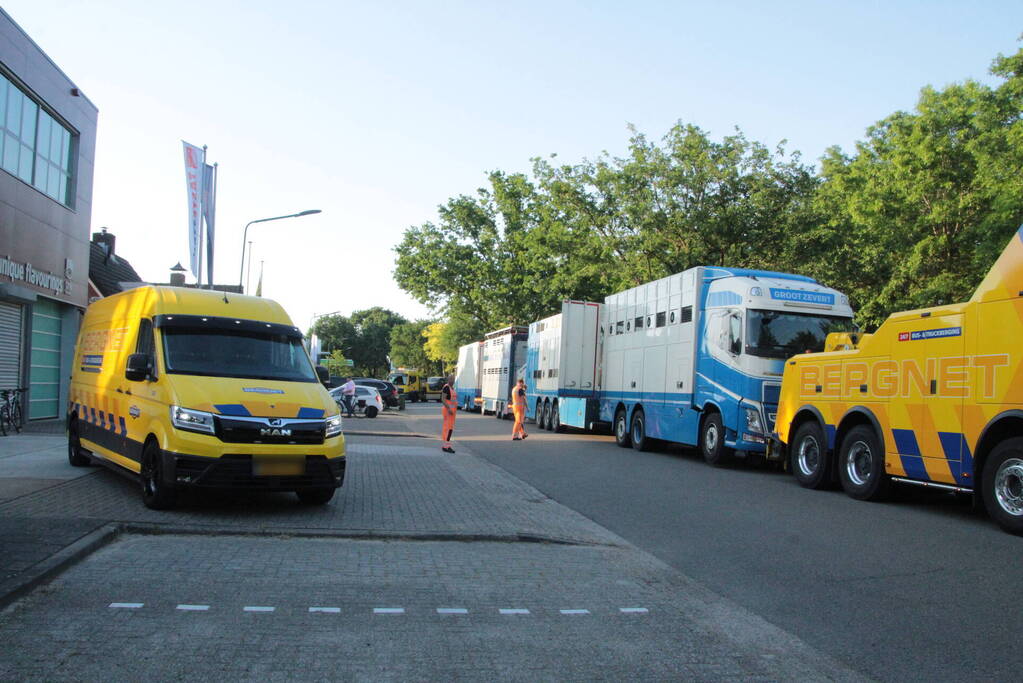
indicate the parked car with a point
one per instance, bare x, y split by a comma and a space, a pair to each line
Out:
388, 391
367, 400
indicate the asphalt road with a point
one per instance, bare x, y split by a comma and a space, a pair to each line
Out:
920, 588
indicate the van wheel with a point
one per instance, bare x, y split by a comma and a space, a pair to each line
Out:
156, 494
371, 411
638, 432
315, 496
74, 447
1003, 485
861, 465
556, 419
809, 457
712, 441
622, 430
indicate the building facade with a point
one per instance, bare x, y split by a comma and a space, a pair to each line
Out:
47, 148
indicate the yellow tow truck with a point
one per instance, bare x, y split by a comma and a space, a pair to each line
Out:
933, 398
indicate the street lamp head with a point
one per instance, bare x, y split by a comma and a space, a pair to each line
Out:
309, 212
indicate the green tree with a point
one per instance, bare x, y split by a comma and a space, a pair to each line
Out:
916, 217
337, 364
364, 337
408, 346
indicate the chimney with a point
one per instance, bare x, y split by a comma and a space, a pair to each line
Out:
177, 277
106, 239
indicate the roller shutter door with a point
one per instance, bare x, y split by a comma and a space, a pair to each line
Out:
11, 335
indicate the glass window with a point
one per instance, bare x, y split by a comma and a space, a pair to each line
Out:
43, 137
639, 323
36, 148
29, 112
228, 353
619, 327
65, 149
14, 110
25, 164
660, 319
776, 334
11, 148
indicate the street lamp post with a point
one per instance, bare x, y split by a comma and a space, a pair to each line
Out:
245, 234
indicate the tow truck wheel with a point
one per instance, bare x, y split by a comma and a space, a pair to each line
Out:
1002, 483
622, 429
74, 446
809, 457
712, 441
156, 493
638, 431
320, 496
861, 465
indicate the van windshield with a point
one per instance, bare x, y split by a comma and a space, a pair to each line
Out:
775, 334
236, 353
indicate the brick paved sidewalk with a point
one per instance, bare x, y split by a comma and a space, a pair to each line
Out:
396, 486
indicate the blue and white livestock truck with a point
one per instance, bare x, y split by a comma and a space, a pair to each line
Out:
696, 358
562, 366
468, 376
503, 362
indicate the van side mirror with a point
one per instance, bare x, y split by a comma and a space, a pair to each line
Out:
323, 374
139, 367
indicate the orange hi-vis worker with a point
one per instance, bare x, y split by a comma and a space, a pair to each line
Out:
449, 406
519, 408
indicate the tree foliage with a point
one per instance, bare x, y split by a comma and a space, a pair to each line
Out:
913, 216
408, 346
364, 337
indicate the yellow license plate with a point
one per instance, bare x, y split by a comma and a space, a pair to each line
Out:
276, 466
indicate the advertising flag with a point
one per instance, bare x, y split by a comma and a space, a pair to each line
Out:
193, 186
209, 211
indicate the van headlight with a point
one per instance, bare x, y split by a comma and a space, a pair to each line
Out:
192, 420
333, 426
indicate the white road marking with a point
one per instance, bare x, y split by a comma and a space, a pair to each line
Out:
126, 605
452, 610
326, 610
388, 610
256, 608
575, 611
514, 611
194, 608
633, 610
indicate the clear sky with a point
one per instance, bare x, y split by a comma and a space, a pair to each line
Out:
376, 113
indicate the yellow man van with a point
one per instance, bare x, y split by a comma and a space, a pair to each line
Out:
196, 388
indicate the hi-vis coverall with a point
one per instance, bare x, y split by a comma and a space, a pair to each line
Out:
519, 408
449, 405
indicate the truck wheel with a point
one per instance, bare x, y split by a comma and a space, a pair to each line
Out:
538, 415
545, 415
315, 496
809, 456
1003, 485
74, 447
622, 430
371, 411
861, 465
638, 432
156, 494
712, 441
556, 419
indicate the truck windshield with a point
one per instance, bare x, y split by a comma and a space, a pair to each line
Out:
397, 380
233, 353
776, 334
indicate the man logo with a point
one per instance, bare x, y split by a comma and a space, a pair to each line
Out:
274, 432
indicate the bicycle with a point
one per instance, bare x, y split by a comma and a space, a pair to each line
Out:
11, 416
